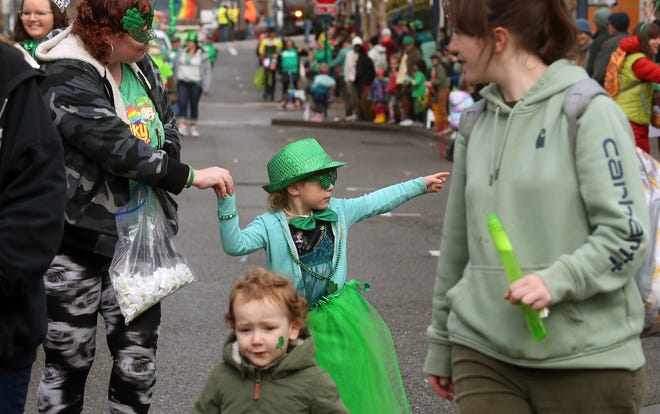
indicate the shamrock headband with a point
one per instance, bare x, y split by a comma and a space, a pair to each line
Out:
61, 4
138, 25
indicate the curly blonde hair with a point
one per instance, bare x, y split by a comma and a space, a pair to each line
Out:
259, 284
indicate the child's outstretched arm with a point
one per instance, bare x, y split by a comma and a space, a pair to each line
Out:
434, 182
388, 198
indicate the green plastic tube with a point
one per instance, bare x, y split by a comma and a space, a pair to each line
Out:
513, 272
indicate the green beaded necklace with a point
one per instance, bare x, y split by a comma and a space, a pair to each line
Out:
310, 271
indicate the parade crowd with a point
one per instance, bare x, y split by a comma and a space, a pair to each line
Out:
89, 125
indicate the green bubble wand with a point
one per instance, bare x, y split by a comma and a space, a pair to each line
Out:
513, 272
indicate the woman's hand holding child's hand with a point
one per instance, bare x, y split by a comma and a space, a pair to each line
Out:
435, 181
216, 177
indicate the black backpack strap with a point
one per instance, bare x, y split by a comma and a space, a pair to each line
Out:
576, 100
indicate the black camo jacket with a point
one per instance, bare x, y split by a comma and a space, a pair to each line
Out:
100, 153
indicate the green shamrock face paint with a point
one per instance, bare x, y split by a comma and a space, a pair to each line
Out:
138, 25
280, 343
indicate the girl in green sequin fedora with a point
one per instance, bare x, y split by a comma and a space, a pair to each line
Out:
304, 234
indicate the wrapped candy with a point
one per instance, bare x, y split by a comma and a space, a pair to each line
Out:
146, 266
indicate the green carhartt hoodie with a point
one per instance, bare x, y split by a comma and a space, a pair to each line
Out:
577, 217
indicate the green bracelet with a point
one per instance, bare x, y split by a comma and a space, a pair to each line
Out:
228, 216
192, 177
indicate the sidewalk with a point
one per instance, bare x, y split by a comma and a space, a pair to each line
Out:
335, 119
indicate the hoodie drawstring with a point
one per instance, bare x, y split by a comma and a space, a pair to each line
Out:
257, 388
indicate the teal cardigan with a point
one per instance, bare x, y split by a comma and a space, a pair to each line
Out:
270, 230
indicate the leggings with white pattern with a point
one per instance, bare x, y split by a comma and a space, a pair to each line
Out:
79, 289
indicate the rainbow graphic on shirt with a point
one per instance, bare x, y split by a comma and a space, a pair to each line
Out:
140, 118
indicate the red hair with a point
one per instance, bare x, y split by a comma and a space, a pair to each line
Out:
97, 20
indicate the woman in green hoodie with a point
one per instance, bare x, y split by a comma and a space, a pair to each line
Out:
576, 217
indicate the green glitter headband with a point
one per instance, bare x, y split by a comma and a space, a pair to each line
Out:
138, 25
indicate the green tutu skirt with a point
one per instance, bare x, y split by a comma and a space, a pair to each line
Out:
354, 345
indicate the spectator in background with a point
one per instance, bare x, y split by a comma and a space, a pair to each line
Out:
406, 73
388, 43
394, 103
337, 68
438, 90
250, 17
638, 74
378, 54
617, 27
322, 84
289, 64
419, 91
33, 186
583, 46
224, 21
210, 49
364, 76
424, 41
37, 18
308, 15
192, 69
378, 96
323, 54
352, 93
176, 47
601, 35
268, 52
233, 12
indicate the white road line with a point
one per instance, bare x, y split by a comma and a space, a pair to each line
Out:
354, 189
251, 122
401, 214
434, 253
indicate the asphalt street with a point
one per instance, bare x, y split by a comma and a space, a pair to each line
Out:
396, 253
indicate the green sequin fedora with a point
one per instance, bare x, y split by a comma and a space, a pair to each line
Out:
295, 161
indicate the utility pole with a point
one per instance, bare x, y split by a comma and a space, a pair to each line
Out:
582, 9
435, 21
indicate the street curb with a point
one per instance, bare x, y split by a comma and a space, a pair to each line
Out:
356, 125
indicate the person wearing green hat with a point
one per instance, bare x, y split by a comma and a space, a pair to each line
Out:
407, 69
192, 67
599, 37
304, 235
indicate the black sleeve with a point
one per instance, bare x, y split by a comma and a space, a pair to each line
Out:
32, 189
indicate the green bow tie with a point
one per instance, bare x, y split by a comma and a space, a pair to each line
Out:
309, 223
30, 46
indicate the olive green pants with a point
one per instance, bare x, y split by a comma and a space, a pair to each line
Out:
486, 385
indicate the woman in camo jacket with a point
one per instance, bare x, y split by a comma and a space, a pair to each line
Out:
113, 112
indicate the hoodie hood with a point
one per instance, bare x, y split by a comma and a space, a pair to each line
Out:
630, 44
67, 46
299, 355
556, 79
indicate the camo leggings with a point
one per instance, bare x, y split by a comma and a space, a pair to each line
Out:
78, 289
